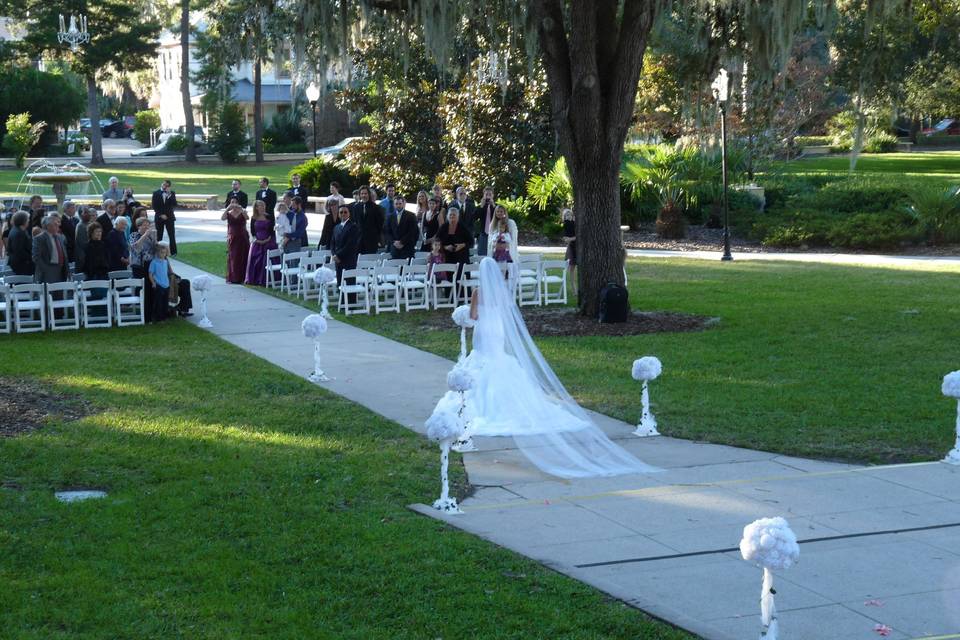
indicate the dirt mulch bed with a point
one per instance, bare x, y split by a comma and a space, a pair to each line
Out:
568, 322
29, 405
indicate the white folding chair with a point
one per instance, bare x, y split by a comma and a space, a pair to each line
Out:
444, 291
29, 308
414, 292
62, 301
121, 274
424, 255
469, 280
273, 267
553, 272
350, 287
385, 289
6, 308
14, 280
419, 260
528, 280
308, 286
128, 301
290, 271
97, 308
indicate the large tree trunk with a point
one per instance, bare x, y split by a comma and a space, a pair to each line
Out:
93, 107
191, 151
258, 107
593, 71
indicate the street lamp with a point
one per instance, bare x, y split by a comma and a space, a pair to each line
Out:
721, 90
73, 36
313, 95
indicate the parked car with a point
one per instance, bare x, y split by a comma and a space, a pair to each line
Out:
947, 126
129, 122
199, 135
337, 149
114, 129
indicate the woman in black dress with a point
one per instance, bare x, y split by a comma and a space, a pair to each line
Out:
456, 239
570, 237
433, 219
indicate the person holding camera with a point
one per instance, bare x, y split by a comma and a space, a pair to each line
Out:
485, 214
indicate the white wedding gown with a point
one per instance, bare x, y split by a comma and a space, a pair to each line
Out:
515, 393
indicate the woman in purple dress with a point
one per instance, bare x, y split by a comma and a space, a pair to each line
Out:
262, 242
238, 242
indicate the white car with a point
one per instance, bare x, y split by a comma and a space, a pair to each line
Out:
336, 149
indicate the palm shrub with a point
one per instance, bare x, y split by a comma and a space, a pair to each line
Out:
936, 210
229, 139
22, 136
657, 174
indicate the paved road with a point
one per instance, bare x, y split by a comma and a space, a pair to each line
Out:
879, 545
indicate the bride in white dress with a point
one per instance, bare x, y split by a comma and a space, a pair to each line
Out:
516, 393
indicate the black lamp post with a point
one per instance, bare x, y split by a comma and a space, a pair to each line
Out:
313, 95
721, 88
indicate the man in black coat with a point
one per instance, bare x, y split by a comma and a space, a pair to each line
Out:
467, 206
238, 194
20, 245
297, 189
401, 231
106, 218
345, 245
164, 202
269, 197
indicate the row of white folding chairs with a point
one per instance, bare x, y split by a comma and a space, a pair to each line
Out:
387, 287
31, 307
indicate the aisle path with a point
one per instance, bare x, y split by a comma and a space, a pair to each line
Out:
665, 543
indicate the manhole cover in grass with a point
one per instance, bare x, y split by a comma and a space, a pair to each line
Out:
28, 405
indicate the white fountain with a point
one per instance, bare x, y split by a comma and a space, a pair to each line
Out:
58, 176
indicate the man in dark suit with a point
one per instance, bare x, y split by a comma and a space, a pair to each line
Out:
269, 197
401, 231
297, 189
238, 194
49, 252
345, 245
467, 206
370, 219
164, 202
482, 217
106, 218
36, 211
68, 227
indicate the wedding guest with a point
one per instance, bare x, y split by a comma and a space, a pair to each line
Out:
345, 245
114, 193
118, 249
570, 238
96, 265
68, 227
159, 273
455, 238
436, 257
467, 208
296, 235
123, 212
36, 211
49, 252
82, 237
236, 194
332, 206
335, 189
434, 218
282, 226
262, 242
370, 219
143, 247
108, 216
387, 204
131, 200
269, 198
401, 231
164, 202
138, 213
238, 242
298, 190
483, 217
437, 192
20, 245
502, 237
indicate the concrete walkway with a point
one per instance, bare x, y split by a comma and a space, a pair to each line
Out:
879, 545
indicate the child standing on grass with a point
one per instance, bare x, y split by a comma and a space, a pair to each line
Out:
437, 256
160, 279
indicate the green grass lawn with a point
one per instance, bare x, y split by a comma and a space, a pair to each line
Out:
835, 362
201, 178
934, 165
245, 502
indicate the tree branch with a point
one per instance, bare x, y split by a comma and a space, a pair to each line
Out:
548, 17
638, 20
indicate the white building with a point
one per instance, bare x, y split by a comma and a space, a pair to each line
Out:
275, 83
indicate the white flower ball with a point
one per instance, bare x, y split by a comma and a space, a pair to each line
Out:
770, 543
324, 275
647, 368
443, 425
202, 283
314, 325
459, 379
951, 385
461, 317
